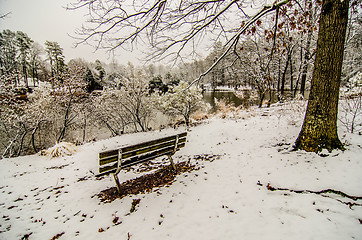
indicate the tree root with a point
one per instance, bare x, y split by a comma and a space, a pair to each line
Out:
322, 193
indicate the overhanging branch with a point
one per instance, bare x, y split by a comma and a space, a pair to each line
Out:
234, 40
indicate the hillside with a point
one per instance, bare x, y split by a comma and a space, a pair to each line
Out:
246, 184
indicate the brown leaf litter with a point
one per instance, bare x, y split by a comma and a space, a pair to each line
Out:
145, 183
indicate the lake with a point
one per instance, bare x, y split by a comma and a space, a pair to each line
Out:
243, 100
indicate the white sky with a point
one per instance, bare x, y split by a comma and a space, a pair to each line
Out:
48, 20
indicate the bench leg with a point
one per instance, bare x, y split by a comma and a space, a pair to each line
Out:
117, 183
171, 161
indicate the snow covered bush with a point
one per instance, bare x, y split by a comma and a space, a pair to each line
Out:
199, 116
12, 127
60, 150
350, 109
225, 109
250, 97
292, 111
71, 96
51, 113
181, 100
128, 109
41, 117
55, 110
135, 99
108, 111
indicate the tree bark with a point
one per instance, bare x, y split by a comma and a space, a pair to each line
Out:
25, 72
33, 136
305, 64
279, 72
84, 128
319, 130
284, 74
291, 79
307, 56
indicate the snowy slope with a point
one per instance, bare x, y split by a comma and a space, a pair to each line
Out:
42, 198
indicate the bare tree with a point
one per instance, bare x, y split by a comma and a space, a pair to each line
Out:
181, 101
350, 110
12, 130
5, 15
170, 28
135, 98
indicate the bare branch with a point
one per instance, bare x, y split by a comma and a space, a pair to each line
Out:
167, 25
3, 16
274, 37
234, 40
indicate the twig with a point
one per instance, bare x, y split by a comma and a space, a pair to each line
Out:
274, 38
234, 40
337, 192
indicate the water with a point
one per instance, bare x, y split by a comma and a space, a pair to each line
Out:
244, 99
230, 98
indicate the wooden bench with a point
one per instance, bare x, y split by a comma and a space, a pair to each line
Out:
113, 161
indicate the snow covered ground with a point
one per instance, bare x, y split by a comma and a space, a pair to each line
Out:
42, 198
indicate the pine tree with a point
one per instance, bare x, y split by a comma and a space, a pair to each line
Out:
8, 51
24, 43
90, 81
35, 61
56, 58
100, 69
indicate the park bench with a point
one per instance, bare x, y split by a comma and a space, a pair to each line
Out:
112, 161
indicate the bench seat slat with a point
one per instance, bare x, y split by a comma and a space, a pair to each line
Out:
108, 160
147, 149
147, 144
149, 156
150, 148
139, 158
108, 168
109, 153
145, 158
153, 142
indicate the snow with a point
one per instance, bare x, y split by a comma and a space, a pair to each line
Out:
43, 197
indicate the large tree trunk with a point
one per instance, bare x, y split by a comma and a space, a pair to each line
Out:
319, 129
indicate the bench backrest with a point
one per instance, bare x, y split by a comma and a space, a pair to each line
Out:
131, 155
